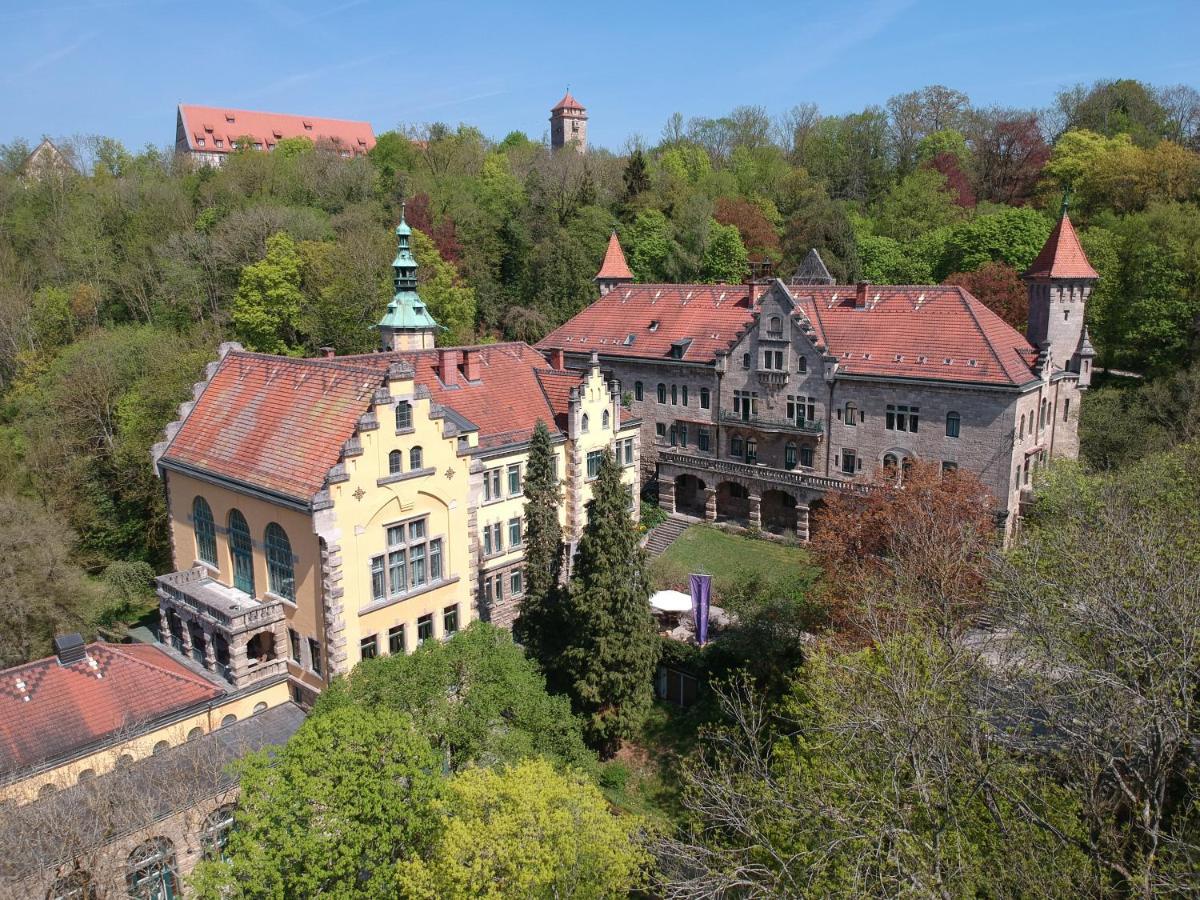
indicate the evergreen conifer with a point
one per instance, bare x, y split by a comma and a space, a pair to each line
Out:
537, 624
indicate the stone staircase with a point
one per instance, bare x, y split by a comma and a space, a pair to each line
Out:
663, 536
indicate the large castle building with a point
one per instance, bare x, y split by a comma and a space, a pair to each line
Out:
328, 510
208, 134
757, 399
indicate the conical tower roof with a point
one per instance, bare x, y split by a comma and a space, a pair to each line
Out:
567, 102
1062, 256
812, 270
614, 267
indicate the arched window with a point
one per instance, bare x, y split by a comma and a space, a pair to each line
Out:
584, 426
403, 415
195, 733
395, 462
76, 886
416, 459
86, 775
160, 747
662, 393
281, 572
241, 552
228, 720
952, 424
47, 789
214, 833
851, 414
260, 706
889, 461
801, 365
637, 391
775, 325
151, 871
206, 531
789, 456
604, 421
1022, 434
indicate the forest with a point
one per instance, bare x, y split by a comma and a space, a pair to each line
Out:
120, 275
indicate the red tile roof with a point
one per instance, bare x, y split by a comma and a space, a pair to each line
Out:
902, 331
115, 689
1062, 256
567, 102
711, 316
274, 422
208, 123
614, 265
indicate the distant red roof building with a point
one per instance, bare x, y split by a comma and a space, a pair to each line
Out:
1062, 255
211, 132
49, 708
614, 270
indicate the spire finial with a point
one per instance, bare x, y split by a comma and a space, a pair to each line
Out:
402, 205
1062, 213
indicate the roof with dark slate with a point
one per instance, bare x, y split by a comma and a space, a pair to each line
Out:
1062, 255
49, 710
812, 270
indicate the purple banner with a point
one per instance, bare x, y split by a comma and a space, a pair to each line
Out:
701, 586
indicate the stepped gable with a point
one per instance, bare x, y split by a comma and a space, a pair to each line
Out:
114, 688
614, 266
934, 332
646, 320
273, 422
1062, 255
202, 126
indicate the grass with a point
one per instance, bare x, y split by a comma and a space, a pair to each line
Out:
725, 556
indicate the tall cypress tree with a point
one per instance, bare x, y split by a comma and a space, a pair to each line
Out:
538, 623
609, 645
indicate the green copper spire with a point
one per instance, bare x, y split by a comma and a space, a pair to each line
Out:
406, 313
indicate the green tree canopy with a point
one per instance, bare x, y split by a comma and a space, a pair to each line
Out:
266, 308
539, 625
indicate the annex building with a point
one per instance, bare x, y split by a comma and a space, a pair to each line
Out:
757, 399
114, 776
328, 510
208, 134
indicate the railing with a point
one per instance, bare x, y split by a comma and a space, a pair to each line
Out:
761, 473
801, 427
174, 589
770, 376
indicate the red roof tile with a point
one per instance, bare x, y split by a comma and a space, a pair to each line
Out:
902, 331
274, 422
614, 265
116, 688
1062, 256
567, 102
268, 128
645, 320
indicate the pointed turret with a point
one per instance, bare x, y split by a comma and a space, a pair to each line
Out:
614, 270
812, 270
407, 324
1060, 282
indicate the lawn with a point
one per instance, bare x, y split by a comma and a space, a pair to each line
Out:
703, 548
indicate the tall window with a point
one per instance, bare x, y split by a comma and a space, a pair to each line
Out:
789, 456
214, 833
395, 462
514, 532
681, 433
773, 360
801, 365
516, 583
413, 560
403, 415
416, 459
685, 395
241, 552
801, 409
745, 360
851, 417
1022, 433
491, 485
637, 391
151, 871
903, 418
1066, 409
751, 450
705, 399
745, 404
775, 325
206, 531
662, 393
953, 422
704, 440
450, 620
396, 640
425, 628
593, 463
281, 574
314, 655
514, 479
806, 456
737, 446
849, 462
674, 395
605, 421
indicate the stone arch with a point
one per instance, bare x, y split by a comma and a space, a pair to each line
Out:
733, 502
689, 495
778, 511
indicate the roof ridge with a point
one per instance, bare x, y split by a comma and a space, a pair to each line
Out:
186, 675
967, 297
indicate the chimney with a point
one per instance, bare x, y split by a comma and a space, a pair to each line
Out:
448, 366
471, 364
69, 648
328, 352
860, 294
558, 359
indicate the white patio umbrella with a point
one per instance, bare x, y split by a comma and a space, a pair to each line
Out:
671, 601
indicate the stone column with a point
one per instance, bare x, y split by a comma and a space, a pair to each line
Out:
164, 625
755, 510
710, 504
802, 523
666, 494
210, 652
237, 659
187, 636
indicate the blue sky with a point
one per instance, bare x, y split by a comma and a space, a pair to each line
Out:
119, 67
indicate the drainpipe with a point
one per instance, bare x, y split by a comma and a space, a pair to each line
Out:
828, 428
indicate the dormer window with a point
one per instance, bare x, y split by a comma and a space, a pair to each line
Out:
679, 348
654, 324
775, 327
629, 339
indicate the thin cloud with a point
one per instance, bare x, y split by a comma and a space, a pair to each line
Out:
49, 59
870, 21
308, 75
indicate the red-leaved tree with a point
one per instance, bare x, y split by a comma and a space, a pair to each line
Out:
1000, 288
958, 182
759, 236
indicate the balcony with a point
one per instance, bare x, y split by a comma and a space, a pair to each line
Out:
226, 609
772, 377
803, 426
762, 473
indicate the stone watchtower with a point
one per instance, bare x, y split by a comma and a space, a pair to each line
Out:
1060, 282
407, 324
568, 124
